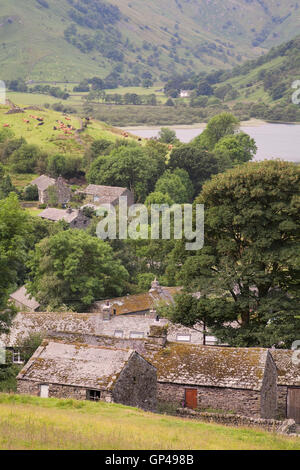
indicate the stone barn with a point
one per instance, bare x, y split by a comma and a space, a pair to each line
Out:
74, 217
288, 382
87, 372
97, 195
239, 380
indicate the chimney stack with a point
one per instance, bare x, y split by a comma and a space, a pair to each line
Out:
106, 311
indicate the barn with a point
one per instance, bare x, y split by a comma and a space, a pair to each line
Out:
86, 372
288, 383
238, 380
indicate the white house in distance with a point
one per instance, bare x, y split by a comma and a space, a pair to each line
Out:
185, 93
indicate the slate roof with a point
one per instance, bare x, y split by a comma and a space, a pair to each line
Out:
139, 302
59, 214
76, 364
23, 298
43, 182
104, 191
187, 364
287, 368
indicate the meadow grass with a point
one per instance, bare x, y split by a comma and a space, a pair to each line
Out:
35, 423
54, 141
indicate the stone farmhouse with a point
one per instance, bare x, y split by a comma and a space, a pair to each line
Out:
250, 381
22, 300
43, 184
254, 382
75, 218
97, 195
104, 329
82, 371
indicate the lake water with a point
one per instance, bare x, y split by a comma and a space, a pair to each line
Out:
273, 140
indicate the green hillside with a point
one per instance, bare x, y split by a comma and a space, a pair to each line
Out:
68, 40
56, 140
40, 424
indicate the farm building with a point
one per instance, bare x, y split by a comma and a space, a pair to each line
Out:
288, 382
75, 218
98, 195
74, 370
23, 300
115, 330
61, 190
239, 380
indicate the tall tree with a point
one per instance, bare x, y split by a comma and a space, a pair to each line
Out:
248, 272
13, 229
196, 161
73, 268
218, 127
129, 166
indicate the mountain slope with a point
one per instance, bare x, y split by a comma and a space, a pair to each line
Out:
75, 39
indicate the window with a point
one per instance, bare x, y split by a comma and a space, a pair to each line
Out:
93, 395
17, 357
183, 338
119, 334
106, 316
211, 340
136, 334
44, 391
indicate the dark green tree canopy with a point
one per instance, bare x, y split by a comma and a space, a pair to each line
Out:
196, 161
248, 272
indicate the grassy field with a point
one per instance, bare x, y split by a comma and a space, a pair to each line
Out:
35, 423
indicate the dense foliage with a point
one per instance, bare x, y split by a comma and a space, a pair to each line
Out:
248, 271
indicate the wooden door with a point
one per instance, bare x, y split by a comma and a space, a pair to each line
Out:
293, 410
191, 398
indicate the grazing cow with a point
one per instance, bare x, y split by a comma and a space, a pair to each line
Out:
6, 125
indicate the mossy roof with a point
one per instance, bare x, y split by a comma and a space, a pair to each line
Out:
288, 366
139, 302
188, 364
76, 364
26, 323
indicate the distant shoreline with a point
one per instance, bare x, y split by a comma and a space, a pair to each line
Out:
250, 123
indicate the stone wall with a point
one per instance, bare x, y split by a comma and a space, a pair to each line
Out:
282, 393
232, 419
269, 390
137, 384
28, 387
62, 190
81, 221
246, 402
